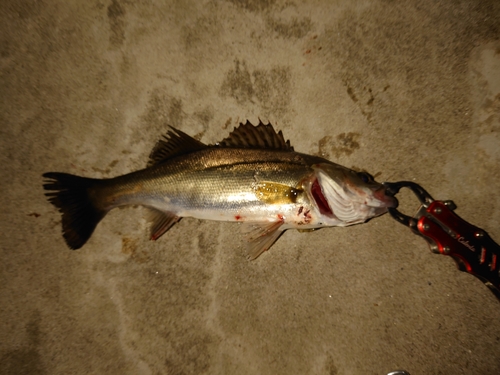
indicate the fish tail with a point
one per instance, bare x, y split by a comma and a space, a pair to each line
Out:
70, 194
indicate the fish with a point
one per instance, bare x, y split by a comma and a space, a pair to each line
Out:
253, 177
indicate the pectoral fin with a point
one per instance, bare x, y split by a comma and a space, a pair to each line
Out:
160, 222
260, 236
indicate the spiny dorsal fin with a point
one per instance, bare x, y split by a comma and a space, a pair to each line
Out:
174, 143
261, 136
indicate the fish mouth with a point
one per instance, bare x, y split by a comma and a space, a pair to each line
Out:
385, 200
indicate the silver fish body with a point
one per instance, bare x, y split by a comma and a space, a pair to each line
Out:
253, 177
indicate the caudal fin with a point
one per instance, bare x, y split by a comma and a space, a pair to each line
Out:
70, 195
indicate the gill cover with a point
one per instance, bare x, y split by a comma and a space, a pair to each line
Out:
341, 194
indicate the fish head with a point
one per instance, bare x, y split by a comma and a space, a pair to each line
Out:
346, 197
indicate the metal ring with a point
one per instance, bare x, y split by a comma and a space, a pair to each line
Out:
423, 196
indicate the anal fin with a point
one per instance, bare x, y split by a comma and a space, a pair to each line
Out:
260, 236
160, 222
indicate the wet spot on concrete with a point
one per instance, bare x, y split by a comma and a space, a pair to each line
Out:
25, 360
371, 98
330, 366
107, 170
254, 5
208, 241
162, 110
205, 30
293, 29
484, 66
5, 49
26, 9
364, 98
113, 163
116, 23
205, 115
174, 309
193, 349
351, 94
129, 246
175, 113
346, 143
323, 146
127, 65
366, 54
343, 144
238, 83
270, 88
490, 144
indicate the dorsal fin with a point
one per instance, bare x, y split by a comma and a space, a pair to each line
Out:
174, 143
261, 136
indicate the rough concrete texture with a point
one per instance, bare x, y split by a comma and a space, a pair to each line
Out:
404, 89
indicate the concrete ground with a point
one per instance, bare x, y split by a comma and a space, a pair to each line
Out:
404, 89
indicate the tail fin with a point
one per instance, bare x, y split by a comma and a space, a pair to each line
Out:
70, 195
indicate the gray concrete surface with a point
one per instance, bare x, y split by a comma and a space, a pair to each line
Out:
404, 89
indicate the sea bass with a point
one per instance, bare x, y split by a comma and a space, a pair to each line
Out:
253, 176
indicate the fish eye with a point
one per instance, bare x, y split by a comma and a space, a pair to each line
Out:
365, 177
